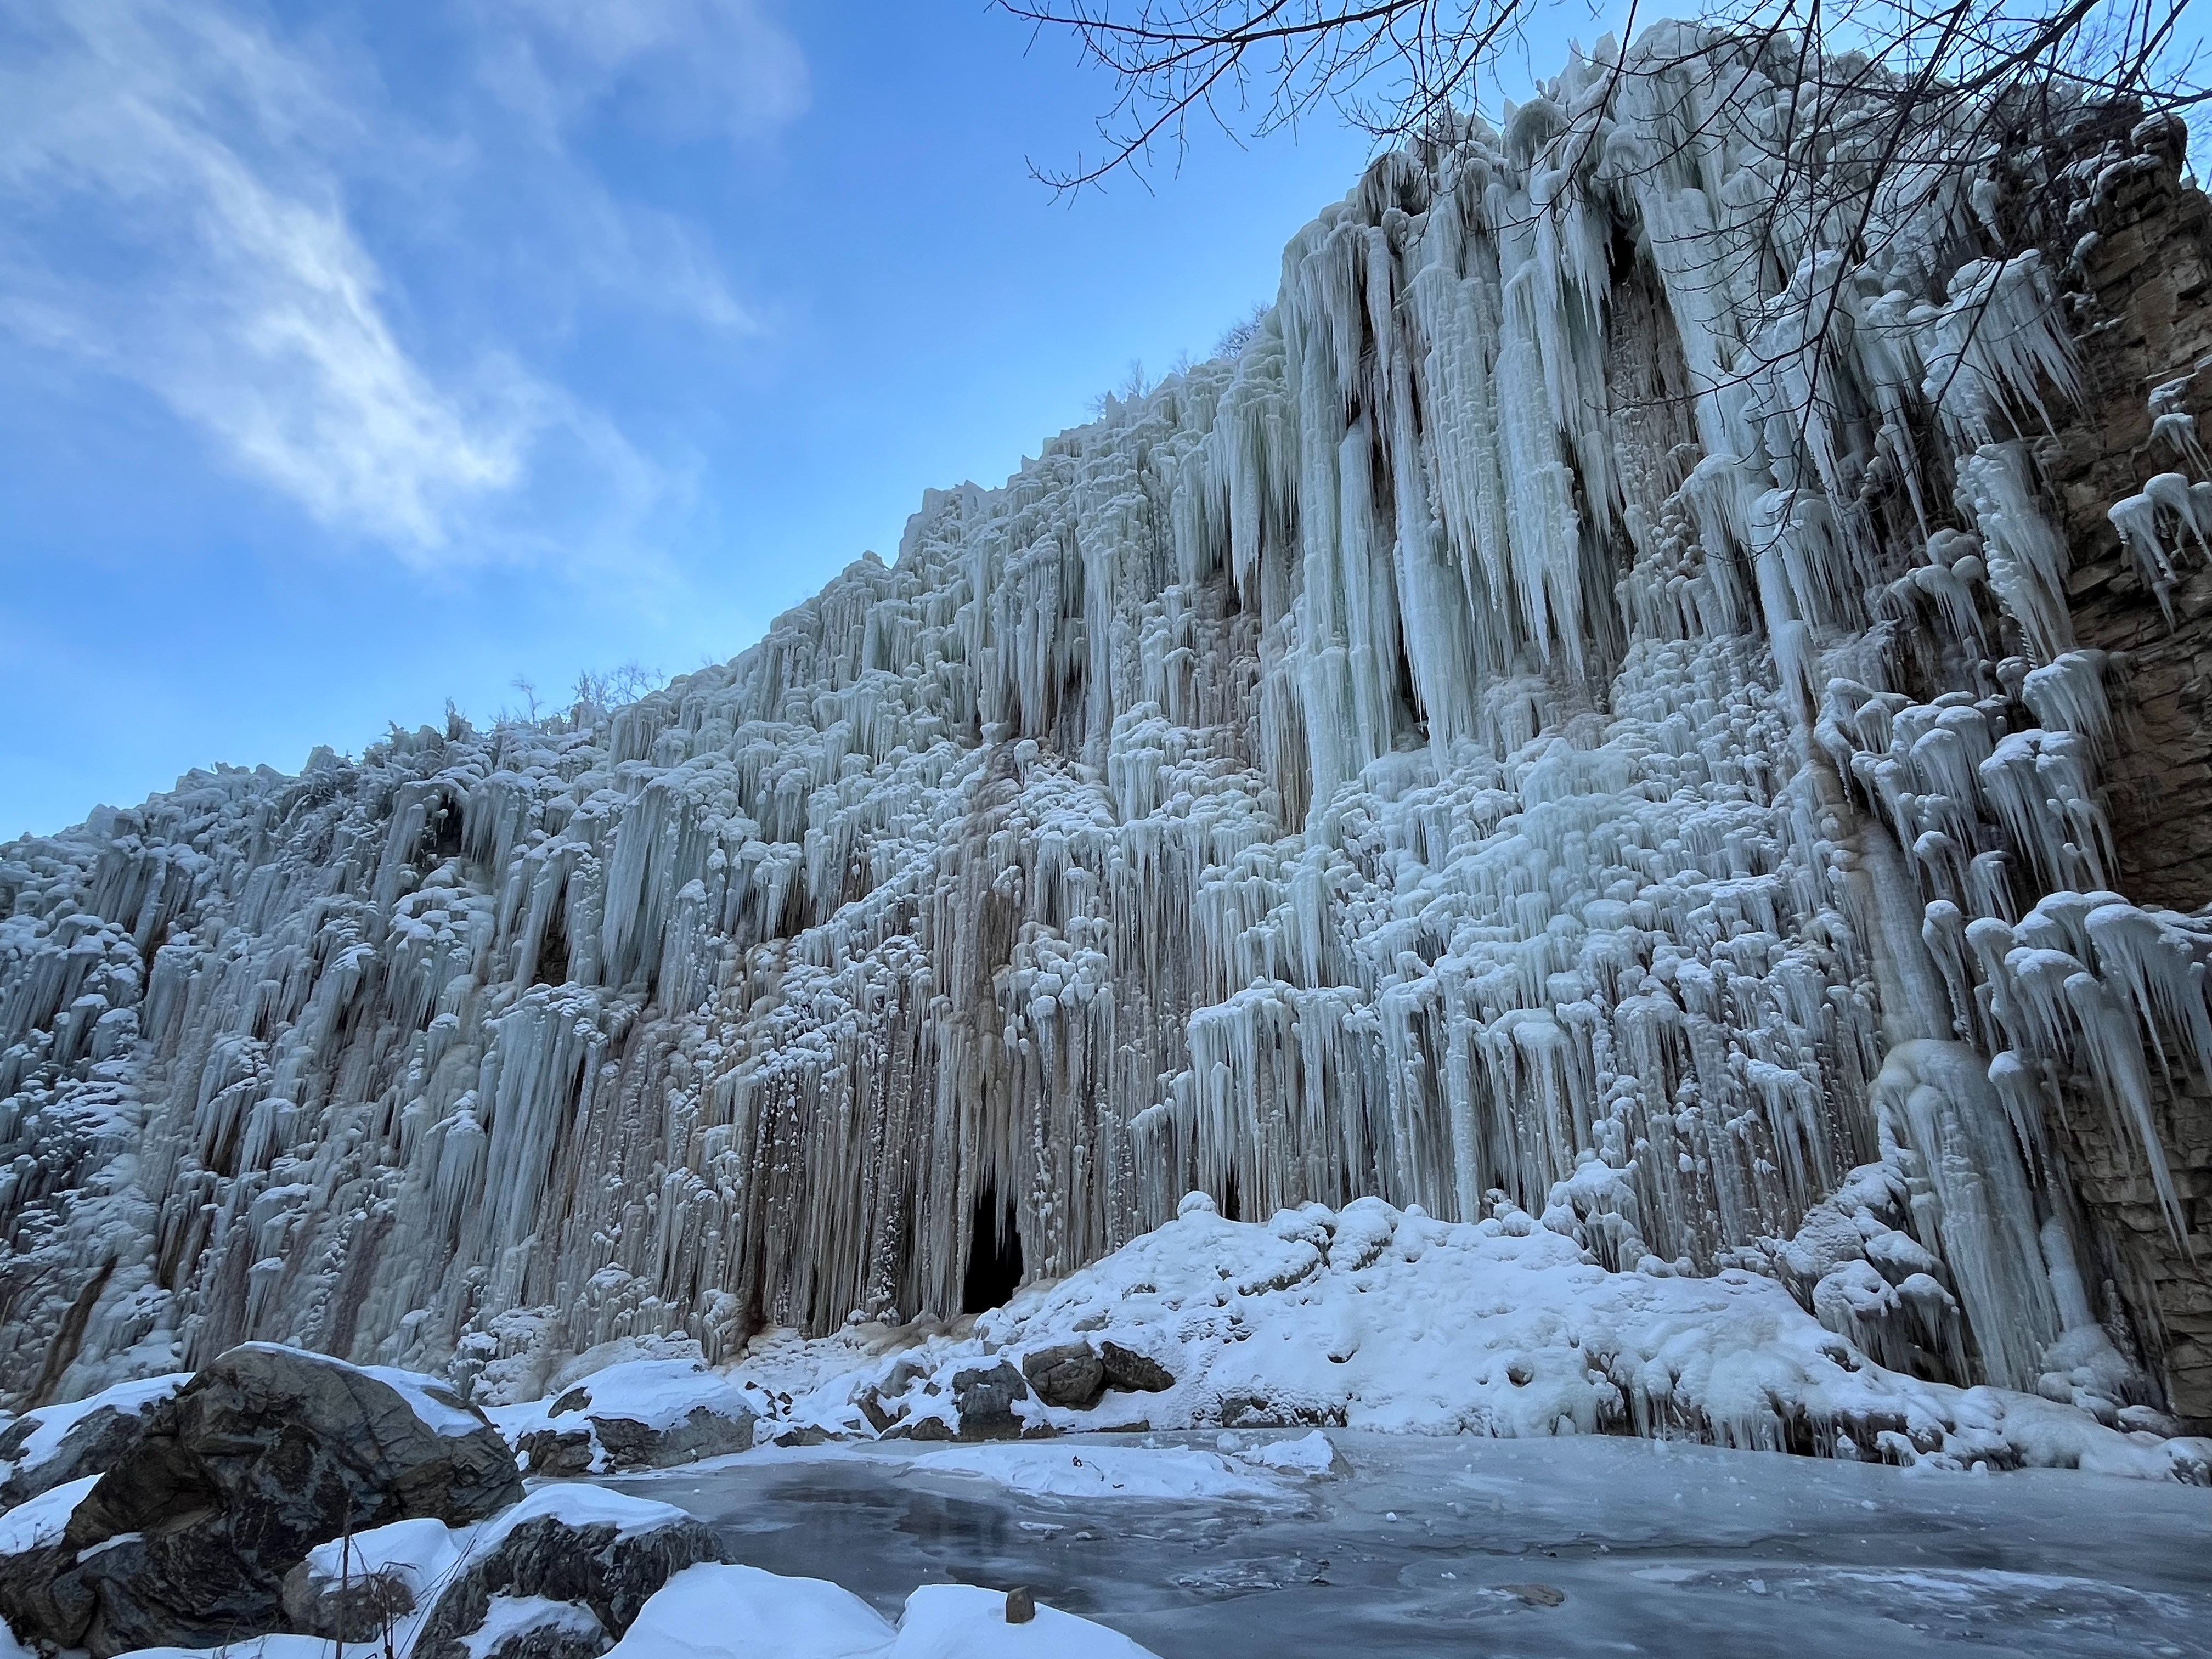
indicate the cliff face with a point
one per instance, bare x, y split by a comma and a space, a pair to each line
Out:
1524, 728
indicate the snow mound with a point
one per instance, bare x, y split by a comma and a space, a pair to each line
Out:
962, 1621
1381, 1318
1313, 1454
421, 1554
726, 1612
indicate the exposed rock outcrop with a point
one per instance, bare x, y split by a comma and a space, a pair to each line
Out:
600, 1553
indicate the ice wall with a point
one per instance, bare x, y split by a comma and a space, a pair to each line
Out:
1531, 732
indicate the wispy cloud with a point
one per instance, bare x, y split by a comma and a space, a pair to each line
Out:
174, 210
687, 68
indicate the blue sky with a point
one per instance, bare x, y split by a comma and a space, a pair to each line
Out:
360, 356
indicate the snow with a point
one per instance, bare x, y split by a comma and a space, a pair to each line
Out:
1312, 1454
709, 1612
961, 1621
1378, 1318
54, 1422
421, 1554
41, 1521
662, 1393
509, 1618
420, 1393
1413, 764
578, 1506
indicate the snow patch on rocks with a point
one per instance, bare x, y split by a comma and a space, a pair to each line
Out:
1381, 1318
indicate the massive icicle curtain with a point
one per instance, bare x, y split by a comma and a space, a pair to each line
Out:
1581, 711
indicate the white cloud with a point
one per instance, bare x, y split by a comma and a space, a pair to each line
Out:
172, 222
174, 210
685, 68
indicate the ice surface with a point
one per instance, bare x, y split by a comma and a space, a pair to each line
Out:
1100, 1472
1598, 1544
1494, 748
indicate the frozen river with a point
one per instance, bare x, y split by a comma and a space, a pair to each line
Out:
1478, 1546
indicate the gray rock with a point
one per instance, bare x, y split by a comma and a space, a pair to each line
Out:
605, 1436
597, 1566
630, 1445
986, 1401
919, 1428
40, 1594
266, 1453
556, 1451
1127, 1369
1070, 1375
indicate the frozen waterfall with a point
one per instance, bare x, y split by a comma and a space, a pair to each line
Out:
1531, 732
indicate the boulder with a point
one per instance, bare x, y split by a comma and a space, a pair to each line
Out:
557, 1451
642, 1414
986, 1401
1070, 1375
700, 1432
1127, 1369
601, 1553
187, 1540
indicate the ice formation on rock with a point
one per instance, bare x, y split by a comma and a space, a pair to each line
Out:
1549, 726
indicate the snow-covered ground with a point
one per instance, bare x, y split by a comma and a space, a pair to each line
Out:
1379, 1318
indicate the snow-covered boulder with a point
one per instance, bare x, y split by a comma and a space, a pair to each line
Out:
54, 1445
641, 1414
567, 1569
1067, 1374
265, 1453
736, 1613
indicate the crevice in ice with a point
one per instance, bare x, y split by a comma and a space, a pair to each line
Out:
994, 1253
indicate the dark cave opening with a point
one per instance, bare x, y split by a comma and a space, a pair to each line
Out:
994, 1253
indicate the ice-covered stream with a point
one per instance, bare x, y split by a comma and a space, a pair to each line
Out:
1483, 749
1423, 1545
